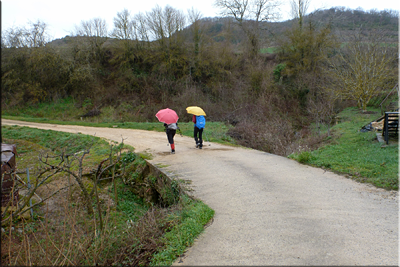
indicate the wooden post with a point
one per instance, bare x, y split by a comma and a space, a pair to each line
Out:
386, 128
29, 188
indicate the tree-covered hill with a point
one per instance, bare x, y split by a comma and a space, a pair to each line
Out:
342, 20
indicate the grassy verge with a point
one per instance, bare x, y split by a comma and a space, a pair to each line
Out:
192, 220
357, 154
134, 233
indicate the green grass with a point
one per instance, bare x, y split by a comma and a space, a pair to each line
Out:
52, 139
268, 50
357, 154
30, 141
193, 218
61, 109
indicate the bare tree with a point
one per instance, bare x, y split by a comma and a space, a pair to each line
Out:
67, 163
34, 36
43, 176
140, 27
13, 37
63, 163
299, 9
194, 18
37, 34
164, 23
363, 68
155, 24
95, 27
95, 33
123, 26
249, 14
100, 27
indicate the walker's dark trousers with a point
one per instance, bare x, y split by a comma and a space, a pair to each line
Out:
170, 135
199, 132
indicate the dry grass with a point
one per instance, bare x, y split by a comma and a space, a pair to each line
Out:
276, 136
63, 234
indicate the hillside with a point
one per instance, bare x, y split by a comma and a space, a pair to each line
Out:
342, 21
275, 102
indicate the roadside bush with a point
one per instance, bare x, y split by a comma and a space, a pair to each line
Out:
302, 157
272, 135
278, 71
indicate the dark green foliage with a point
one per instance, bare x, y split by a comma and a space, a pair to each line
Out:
128, 157
278, 71
33, 75
306, 48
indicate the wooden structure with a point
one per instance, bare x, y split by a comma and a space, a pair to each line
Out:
391, 125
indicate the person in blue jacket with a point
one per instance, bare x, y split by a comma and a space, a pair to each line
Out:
199, 124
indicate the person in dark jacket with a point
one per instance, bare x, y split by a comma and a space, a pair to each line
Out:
170, 129
198, 133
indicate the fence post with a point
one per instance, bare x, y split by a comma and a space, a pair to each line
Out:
29, 188
386, 128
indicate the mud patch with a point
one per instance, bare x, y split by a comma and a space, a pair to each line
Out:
164, 153
220, 149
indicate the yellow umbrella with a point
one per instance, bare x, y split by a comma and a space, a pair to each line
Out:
195, 111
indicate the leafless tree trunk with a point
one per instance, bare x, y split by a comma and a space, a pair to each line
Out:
299, 9
194, 18
248, 14
123, 26
140, 28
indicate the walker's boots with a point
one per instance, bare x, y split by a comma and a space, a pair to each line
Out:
197, 145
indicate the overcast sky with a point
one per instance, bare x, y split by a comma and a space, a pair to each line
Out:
61, 16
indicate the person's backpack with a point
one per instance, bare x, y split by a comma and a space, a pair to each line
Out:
200, 122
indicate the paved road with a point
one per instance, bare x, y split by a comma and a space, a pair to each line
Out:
270, 210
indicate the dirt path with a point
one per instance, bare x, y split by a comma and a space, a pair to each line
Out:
270, 210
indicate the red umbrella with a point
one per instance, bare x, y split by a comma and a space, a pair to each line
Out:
167, 115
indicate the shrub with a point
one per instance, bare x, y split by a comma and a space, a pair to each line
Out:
304, 157
278, 70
